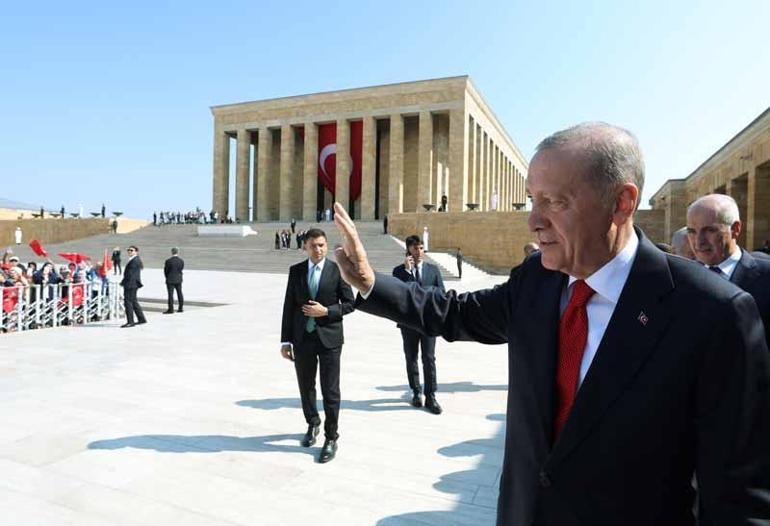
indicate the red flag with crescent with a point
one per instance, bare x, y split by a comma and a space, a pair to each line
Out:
37, 248
327, 156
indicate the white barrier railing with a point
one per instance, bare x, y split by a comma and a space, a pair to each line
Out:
40, 306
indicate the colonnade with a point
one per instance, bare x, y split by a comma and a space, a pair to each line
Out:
410, 161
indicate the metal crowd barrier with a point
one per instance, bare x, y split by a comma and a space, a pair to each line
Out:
41, 306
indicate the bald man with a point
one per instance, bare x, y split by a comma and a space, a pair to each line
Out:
713, 227
681, 244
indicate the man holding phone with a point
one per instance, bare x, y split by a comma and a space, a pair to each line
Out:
416, 270
311, 335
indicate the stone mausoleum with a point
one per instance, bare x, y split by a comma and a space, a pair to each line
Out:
740, 169
409, 147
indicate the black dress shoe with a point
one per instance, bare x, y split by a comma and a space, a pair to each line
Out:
168, 312
309, 438
432, 406
141, 322
126, 325
328, 452
180, 310
416, 400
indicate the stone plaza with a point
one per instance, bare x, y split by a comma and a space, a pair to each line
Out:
194, 419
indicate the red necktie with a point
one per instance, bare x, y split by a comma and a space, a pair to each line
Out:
573, 333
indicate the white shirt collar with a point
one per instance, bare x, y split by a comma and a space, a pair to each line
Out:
728, 265
320, 265
610, 279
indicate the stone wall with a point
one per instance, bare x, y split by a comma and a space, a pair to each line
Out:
50, 231
492, 240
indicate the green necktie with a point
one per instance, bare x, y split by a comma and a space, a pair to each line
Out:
315, 275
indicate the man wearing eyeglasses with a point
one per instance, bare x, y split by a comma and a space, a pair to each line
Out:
131, 283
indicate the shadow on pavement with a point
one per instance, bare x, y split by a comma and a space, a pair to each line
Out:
206, 443
476, 491
455, 387
377, 404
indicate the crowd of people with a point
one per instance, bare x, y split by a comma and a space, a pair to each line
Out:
197, 216
30, 291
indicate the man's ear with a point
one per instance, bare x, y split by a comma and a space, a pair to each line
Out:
735, 229
626, 199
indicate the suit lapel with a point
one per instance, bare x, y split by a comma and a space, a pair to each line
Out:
303, 284
639, 319
323, 279
745, 271
540, 352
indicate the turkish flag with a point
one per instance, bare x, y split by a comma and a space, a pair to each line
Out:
74, 257
106, 264
327, 156
37, 248
10, 297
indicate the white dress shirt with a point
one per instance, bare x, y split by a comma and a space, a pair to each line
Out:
419, 268
608, 283
728, 265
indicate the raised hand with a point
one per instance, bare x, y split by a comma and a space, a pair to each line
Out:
351, 256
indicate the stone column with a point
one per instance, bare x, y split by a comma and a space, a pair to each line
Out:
242, 175
396, 164
255, 168
483, 186
458, 153
368, 180
310, 173
221, 172
264, 160
286, 178
342, 184
472, 183
424, 160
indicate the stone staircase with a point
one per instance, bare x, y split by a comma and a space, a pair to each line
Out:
248, 254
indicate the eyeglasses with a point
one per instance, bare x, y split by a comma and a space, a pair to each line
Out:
130, 250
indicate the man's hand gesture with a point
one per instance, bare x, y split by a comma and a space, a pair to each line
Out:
351, 256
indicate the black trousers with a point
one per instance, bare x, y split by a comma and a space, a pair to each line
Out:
412, 341
116, 268
170, 288
308, 355
132, 306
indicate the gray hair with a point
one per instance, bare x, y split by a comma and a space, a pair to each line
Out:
612, 154
724, 206
679, 238
174, 251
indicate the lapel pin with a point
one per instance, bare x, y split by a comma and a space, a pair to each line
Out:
643, 319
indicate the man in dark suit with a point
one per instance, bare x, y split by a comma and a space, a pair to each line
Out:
629, 369
173, 269
416, 270
713, 227
311, 335
131, 283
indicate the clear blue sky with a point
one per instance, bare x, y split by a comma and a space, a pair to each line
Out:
109, 102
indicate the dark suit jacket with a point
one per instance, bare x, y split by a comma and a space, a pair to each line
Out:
752, 274
132, 277
172, 269
333, 293
430, 277
680, 383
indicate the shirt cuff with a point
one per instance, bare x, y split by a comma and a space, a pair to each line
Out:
291, 345
365, 293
